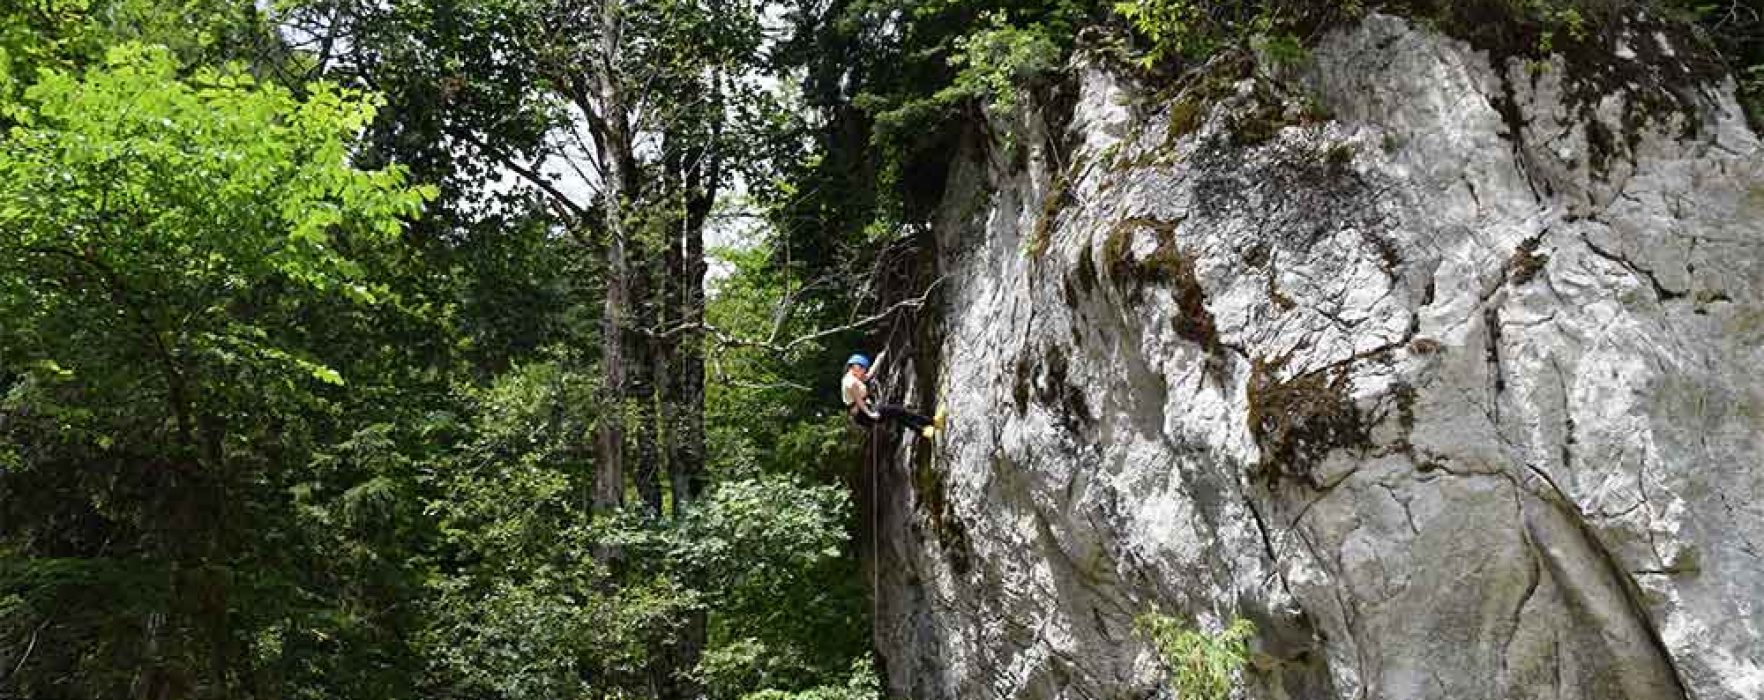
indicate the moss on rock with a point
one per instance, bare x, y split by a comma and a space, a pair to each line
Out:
1526, 261
1297, 421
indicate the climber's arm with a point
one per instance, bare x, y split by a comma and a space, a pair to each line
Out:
863, 404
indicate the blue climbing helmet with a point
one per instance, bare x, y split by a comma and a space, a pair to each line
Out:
859, 360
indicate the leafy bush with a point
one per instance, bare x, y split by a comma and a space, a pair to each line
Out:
1557, 19
993, 62
1202, 666
525, 610
1189, 31
1174, 28
1280, 49
1736, 29
862, 685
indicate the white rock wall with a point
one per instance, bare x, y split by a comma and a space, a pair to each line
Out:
1448, 413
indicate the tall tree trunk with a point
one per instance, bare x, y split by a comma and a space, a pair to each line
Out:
687, 460
697, 174
674, 410
644, 385
686, 463
613, 135
609, 463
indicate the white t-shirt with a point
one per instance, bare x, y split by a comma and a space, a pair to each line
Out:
851, 389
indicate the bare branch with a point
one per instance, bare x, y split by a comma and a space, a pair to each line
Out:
590, 154
557, 197
787, 305
726, 340
32, 646
750, 386
724, 378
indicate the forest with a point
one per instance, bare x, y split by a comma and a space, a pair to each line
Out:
491, 348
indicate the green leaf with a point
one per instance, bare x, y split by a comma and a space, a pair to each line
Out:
327, 375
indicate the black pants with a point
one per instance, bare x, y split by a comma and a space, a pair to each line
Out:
899, 414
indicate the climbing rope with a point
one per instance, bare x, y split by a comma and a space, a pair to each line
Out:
875, 525
875, 512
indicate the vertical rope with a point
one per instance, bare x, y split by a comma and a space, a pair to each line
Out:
875, 539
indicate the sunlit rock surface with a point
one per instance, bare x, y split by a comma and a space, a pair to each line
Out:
1448, 411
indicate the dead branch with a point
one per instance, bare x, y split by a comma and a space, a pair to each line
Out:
32, 646
724, 378
576, 212
724, 339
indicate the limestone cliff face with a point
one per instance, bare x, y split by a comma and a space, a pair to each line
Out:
1451, 383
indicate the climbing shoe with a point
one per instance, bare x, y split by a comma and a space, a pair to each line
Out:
929, 431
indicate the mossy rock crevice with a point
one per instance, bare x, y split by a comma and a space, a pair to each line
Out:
947, 527
1297, 421
1165, 266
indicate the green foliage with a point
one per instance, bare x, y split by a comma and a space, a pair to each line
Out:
992, 64
525, 610
863, 684
131, 193
1174, 28
772, 416
1187, 32
1280, 50
896, 123
1202, 666
1557, 17
1736, 30
996, 61
178, 245
70, 34
764, 551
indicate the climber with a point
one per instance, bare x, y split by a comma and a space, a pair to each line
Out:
855, 389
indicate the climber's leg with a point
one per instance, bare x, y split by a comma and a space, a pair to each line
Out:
902, 415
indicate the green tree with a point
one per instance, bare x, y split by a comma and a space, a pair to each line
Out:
644, 103
520, 606
70, 34
159, 232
